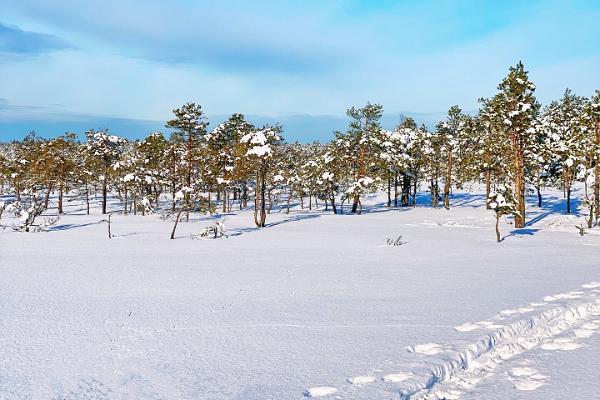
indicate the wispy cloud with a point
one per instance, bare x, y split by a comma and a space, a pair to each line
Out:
17, 42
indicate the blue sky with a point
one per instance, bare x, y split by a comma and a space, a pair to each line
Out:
69, 64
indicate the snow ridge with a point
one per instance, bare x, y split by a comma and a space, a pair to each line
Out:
449, 378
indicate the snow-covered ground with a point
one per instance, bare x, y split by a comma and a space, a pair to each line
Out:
313, 305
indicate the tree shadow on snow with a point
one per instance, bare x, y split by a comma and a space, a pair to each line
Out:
66, 227
522, 232
550, 206
292, 218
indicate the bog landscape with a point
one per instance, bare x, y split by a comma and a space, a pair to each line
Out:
220, 258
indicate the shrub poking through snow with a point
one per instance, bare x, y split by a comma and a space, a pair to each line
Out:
214, 231
395, 242
589, 204
581, 229
502, 203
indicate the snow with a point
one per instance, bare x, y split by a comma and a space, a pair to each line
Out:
319, 391
313, 305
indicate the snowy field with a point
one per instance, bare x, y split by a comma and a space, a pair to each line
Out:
313, 305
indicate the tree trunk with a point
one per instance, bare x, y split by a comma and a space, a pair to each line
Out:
60, 196
389, 190
414, 199
488, 183
47, 199
333, 202
395, 189
355, 204
263, 213
405, 190
245, 195
448, 183
497, 229
87, 198
597, 173
176, 222
104, 195
519, 181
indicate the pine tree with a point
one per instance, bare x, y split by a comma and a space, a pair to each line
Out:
562, 122
502, 202
105, 149
258, 151
361, 144
190, 127
517, 110
449, 131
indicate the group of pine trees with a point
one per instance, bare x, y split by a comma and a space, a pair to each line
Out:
511, 142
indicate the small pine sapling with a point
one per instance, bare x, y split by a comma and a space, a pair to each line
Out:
502, 203
589, 204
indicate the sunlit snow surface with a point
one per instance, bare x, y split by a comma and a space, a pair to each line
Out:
313, 305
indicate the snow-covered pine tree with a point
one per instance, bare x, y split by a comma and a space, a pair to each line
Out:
222, 143
258, 145
449, 131
502, 203
517, 109
189, 127
362, 149
105, 150
61, 163
591, 125
562, 123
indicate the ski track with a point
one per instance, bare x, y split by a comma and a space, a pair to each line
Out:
560, 322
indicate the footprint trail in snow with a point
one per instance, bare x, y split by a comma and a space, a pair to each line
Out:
560, 323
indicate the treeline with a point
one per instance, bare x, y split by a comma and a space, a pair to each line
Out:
511, 142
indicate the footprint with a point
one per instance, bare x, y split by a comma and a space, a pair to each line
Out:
591, 285
528, 384
428, 349
526, 378
489, 325
565, 344
361, 380
584, 333
399, 377
534, 304
466, 327
319, 391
